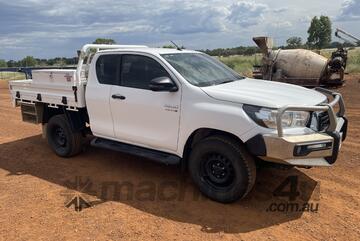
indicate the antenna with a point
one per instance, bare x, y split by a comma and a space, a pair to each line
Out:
177, 47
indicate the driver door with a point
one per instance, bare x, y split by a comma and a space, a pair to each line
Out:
142, 116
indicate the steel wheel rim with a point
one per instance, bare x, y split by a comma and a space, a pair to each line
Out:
217, 171
60, 137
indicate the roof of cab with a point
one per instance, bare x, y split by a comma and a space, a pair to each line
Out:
149, 50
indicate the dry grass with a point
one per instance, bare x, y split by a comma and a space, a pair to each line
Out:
11, 76
241, 63
244, 64
354, 61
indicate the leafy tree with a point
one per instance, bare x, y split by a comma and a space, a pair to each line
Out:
241, 50
172, 46
335, 44
28, 61
60, 62
325, 34
42, 62
104, 41
294, 42
319, 32
169, 46
12, 63
3, 63
250, 50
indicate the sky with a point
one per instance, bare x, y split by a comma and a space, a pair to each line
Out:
54, 28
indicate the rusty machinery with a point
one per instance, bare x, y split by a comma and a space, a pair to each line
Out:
300, 66
346, 37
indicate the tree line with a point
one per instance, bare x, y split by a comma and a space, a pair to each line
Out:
30, 61
319, 37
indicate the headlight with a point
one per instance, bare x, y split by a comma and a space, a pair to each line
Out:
267, 117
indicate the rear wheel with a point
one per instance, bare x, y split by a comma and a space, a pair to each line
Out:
62, 140
222, 168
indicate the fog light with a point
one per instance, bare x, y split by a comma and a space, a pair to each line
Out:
303, 150
316, 146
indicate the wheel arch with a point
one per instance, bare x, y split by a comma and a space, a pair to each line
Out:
76, 119
200, 134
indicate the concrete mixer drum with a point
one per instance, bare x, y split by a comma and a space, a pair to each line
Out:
299, 66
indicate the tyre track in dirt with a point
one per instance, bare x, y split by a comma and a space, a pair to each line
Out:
33, 182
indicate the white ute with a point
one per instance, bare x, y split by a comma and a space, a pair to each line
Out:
183, 107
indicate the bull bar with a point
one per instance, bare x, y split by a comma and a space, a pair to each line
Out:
328, 107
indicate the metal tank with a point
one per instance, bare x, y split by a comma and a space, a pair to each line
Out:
299, 66
299, 63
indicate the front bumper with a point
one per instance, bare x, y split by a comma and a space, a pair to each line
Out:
316, 149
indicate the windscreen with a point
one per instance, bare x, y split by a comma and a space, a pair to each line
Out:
200, 69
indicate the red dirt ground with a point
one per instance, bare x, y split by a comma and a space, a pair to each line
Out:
35, 185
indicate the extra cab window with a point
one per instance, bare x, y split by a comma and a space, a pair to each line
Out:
107, 69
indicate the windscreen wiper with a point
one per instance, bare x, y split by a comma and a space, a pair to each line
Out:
227, 81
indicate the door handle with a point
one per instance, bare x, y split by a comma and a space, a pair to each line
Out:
120, 97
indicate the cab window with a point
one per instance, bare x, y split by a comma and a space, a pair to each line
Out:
137, 71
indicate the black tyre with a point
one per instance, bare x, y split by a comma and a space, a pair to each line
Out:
222, 169
62, 140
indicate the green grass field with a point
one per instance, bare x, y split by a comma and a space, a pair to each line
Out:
353, 64
11, 76
243, 64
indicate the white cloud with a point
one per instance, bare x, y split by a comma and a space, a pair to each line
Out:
247, 13
350, 10
280, 10
191, 20
49, 28
281, 24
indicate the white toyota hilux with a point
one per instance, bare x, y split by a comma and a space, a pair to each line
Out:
183, 107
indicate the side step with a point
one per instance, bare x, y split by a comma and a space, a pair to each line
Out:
154, 155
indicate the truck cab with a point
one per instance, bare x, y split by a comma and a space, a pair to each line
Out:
183, 107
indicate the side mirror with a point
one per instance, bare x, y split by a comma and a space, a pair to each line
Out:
163, 84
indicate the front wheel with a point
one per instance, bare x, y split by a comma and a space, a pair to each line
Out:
222, 169
62, 140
